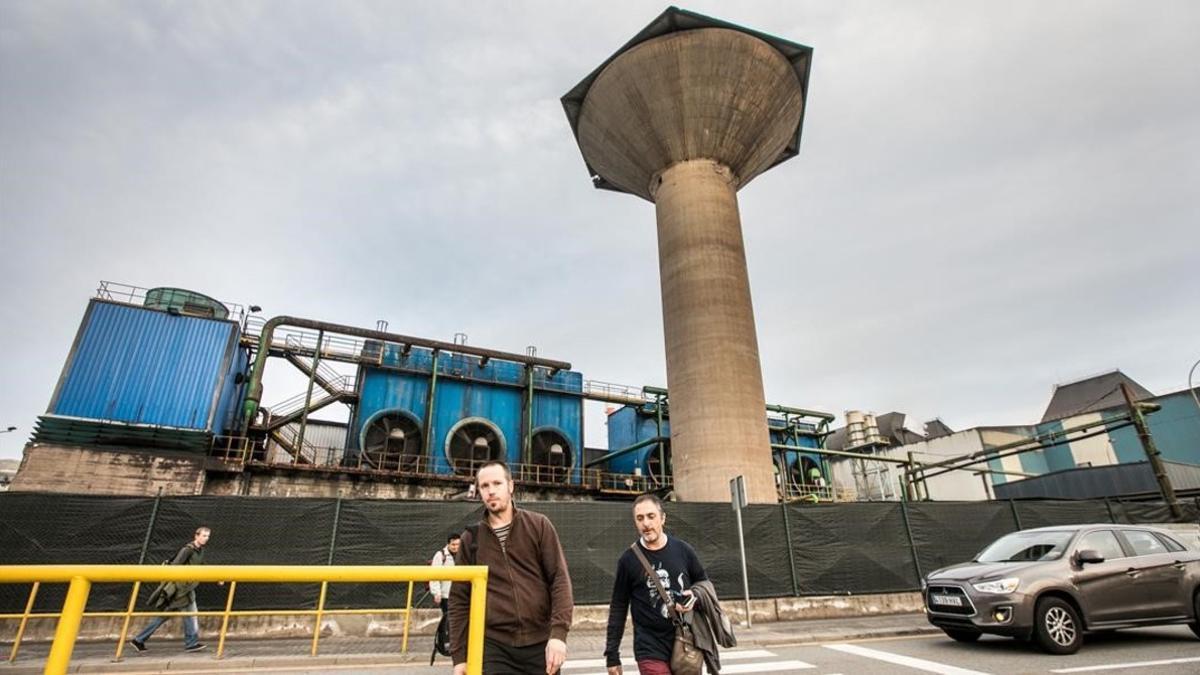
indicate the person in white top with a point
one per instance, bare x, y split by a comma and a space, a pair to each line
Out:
440, 590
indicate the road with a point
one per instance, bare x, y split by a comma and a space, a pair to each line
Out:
1172, 649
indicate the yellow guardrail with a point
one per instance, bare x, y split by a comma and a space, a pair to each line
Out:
81, 577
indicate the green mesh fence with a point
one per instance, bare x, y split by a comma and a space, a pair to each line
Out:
821, 549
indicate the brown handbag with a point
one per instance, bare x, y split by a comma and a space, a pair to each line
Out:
686, 657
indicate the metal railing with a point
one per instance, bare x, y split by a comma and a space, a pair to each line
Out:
136, 295
81, 577
246, 451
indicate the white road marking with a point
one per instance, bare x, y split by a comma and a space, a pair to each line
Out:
1118, 666
738, 655
764, 667
900, 660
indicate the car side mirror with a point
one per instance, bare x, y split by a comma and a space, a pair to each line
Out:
1087, 556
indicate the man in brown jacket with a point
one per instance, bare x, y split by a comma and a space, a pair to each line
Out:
529, 598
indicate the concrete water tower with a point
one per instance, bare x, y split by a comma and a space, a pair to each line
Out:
684, 115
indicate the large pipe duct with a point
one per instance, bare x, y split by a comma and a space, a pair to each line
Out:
254, 388
687, 113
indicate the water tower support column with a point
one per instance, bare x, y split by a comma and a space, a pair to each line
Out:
718, 427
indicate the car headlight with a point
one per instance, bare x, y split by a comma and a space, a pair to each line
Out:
999, 586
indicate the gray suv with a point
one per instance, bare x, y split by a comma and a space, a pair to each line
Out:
1052, 584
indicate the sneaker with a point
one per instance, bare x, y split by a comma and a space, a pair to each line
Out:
196, 647
139, 646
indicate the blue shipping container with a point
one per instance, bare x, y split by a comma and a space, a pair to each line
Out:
144, 366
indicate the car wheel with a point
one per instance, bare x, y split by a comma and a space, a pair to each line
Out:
1057, 629
962, 635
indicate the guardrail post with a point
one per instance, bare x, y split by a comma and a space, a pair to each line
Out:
225, 620
12, 655
125, 622
320, 611
476, 624
407, 619
68, 627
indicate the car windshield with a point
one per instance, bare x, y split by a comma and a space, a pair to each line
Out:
1027, 547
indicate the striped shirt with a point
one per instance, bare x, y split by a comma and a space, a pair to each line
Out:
502, 535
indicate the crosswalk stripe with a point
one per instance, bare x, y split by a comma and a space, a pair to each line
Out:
1121, 666
764, 667
733, 655
901, 660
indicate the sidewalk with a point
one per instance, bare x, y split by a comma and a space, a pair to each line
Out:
166, 655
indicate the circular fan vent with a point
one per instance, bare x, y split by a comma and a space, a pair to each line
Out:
552, 458
392, 442
654, 465
472, 443
799, 471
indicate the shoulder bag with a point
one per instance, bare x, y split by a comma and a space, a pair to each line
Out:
686, 658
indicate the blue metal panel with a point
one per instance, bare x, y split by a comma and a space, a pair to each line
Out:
232, 393
493, 392
456, 400
1058, 457
380, 390
564, 413
630, 425
1176, 428
131, 364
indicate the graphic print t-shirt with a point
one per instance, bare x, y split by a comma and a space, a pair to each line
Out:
678, 568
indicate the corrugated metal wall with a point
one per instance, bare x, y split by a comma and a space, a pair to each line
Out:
131, 364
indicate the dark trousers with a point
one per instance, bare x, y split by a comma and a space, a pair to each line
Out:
442, 637
502, 659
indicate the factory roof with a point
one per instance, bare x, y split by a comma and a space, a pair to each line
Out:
1091, 394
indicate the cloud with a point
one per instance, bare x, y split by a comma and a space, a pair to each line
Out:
989, 198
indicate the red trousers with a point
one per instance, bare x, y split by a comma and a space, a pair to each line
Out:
653, 667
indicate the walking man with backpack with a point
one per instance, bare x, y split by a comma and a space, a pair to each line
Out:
529, 598
440, 590
175, 596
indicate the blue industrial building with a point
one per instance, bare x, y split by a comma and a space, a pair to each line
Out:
169, 369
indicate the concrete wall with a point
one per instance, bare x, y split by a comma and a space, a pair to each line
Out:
284, 483
119, 471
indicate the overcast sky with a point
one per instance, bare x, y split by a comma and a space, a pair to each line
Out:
990, 197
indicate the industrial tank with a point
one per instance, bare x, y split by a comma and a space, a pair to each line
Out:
136, 372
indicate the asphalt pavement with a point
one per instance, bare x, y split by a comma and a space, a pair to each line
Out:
866, 646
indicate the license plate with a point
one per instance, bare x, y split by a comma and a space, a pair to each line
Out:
947, 600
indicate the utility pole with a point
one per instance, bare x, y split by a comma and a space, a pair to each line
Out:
1160, 472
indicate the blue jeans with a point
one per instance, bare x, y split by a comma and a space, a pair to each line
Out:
191, 626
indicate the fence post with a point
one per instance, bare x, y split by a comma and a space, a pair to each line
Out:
150, 527
787, 531
1016, 517
1112, 517
912, 544
337, 519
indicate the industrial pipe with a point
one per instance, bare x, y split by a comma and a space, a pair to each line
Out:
254, 390
624, 451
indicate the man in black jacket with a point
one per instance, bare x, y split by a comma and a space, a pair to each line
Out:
177, 596
678, 568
